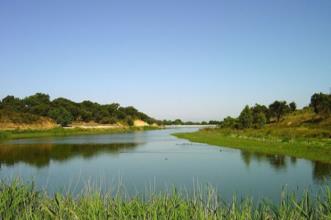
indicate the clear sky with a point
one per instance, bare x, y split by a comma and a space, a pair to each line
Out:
189, 59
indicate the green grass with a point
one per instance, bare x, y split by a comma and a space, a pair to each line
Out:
23, 201
55, 132
285, 141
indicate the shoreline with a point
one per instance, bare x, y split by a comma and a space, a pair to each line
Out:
68, 131
316, 149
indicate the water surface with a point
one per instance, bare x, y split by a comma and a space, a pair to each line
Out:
158, 160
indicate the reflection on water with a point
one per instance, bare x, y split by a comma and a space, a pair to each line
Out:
321, 171
40, 155
155, 158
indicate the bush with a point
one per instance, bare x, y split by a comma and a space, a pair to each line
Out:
245, 119
61, 116
321, 104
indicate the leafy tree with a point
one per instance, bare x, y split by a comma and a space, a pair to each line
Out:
229, 122
64, 110
36, 99
257, 110
292, 106
278, 109
13, 103
38, 104
321, 104
178, 122
214, 122
61, 116
129, 121
69, 105
112, 108
245, 119
260, 120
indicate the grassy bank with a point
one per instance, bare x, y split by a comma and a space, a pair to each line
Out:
21, 201
58, 132
268, 141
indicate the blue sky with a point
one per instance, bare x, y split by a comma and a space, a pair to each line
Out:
189, 59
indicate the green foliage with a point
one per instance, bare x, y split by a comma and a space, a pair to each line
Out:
260, 115
259, 120
245, 119
278, 109
229, 122
293, 106
12, 103
321, 104
129, 121
61, 116
64, 111
7, 115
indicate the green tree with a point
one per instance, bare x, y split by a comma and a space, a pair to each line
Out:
321, 104
278, 109
69, 105
260, 120
61, 116
229, 122
178, 122
129, 121
257, 110
245, 119
292, 106
12, 103
38, 104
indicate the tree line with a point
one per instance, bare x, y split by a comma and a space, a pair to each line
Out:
180, 122
260, 115
65, 111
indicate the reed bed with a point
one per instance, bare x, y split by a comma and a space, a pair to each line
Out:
20, 200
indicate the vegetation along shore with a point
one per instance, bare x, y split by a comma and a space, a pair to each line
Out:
18, 200
38, 116
280, 128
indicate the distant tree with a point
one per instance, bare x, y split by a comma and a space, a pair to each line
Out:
214, 122
12, 103
129, 121
321, 104
36, 99
38, 104
292, 106
177, 122
229, 122
61, 116
63, 110
112, 108
257, 111
278, 109
69, 105
245, 119
260, 120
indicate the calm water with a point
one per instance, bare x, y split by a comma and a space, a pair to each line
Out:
155, 159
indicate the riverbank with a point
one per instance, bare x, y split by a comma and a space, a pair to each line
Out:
59, 132
23, 200
265, 141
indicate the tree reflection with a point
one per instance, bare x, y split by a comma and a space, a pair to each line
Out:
321, 171
276, 161
40, 155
